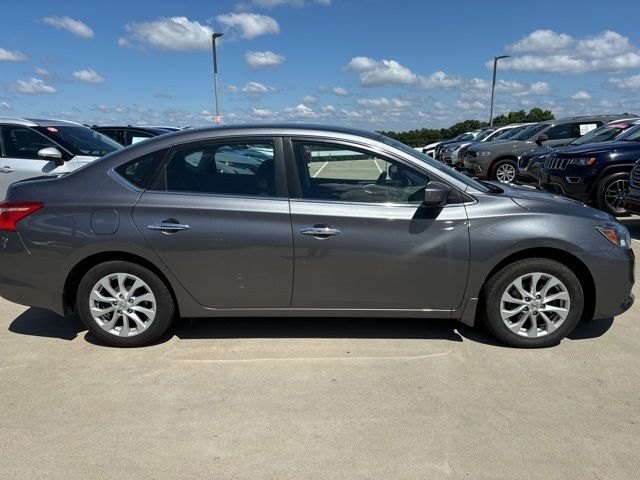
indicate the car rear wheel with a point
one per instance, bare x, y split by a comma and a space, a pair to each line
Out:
611, 193
504, 171
124, 304
533, 303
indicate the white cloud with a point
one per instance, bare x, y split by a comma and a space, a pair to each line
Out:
172, 34
256, 87
340, 91
328, 109
32, 86
581, 95
5, 106
383, 102
263, 59
231, 89
261, 113
282, 3
300, 111
309, 99
469, 105
629, 83
559, 53
90, 76
542, 41
250, 25
373, 73
12, 56
71, 25
440, 81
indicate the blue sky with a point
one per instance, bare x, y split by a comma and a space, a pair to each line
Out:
374, 64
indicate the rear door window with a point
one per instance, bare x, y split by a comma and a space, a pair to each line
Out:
560, 132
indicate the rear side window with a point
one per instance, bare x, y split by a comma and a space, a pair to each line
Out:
141, 171
221, 168
560, 132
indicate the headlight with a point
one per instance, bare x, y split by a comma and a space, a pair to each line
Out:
484, 153
583, 161
616, 234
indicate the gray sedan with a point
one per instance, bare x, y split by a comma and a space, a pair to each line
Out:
325, 222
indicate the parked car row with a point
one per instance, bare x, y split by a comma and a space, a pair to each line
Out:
586, 158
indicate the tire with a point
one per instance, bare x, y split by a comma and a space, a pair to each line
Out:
140, 316
608, 186
551, 324
500, 169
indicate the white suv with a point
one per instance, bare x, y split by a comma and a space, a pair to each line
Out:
33, 148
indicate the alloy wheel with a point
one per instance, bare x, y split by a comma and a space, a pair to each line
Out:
122, 304
615, 194
535, 304
506, 173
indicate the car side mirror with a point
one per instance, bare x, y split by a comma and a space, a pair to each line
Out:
541, 138
51, 154
436, 194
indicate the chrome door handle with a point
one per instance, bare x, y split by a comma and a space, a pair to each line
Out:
6, 169
167, 227
320, 232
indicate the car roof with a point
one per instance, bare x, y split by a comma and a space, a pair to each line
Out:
38, 122
133, 127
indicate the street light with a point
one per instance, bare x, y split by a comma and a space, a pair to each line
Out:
215, 76
493, 85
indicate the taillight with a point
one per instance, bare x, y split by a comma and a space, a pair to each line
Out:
12, 212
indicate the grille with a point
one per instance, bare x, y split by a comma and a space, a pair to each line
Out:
462, 152
635, 176
555, 163
523, 162
471, 154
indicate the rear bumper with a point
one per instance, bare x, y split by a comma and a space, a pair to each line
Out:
28, 280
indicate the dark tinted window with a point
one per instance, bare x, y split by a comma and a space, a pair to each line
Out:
81, 140
23, 142
110, 132
222, 168
335, 172
560, 132
140, 171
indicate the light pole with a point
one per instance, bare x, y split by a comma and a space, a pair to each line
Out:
493, 85
215, 76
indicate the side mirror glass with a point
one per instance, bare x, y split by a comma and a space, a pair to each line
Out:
51, 154
541, 138
436, 194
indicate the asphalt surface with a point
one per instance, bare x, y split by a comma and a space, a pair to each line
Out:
321, 399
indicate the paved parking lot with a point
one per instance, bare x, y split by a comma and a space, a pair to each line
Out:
326, 398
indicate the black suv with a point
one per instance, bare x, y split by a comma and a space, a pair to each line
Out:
596, 173
530, 164
129, 135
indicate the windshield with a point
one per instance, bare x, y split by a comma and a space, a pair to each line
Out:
529, 132
602, 134
81, 140
435, 164
631, 135
511, 133
484, 135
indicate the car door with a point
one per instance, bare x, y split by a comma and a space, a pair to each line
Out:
19, 156
363, 239
218, 217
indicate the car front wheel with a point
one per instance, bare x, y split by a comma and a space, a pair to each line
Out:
504, 171
611, 193
124, 304
533, 303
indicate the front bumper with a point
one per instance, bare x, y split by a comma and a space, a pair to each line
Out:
613, 275
632, 201
474, 168
570, 186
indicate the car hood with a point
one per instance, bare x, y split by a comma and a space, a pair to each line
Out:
500, 144
595, 148
537, 200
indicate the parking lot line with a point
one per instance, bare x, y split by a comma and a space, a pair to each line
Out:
320, 169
